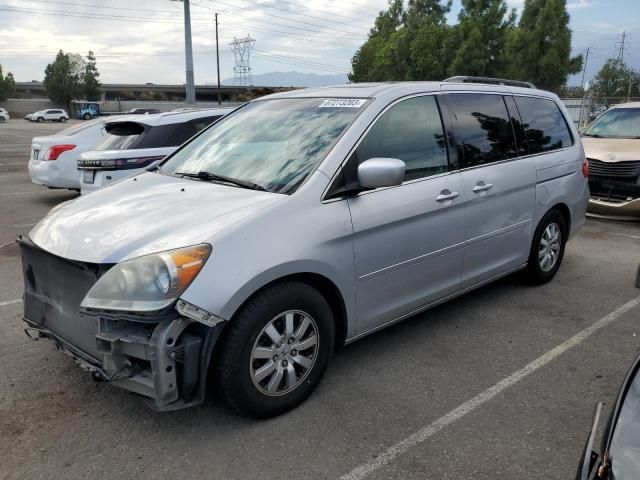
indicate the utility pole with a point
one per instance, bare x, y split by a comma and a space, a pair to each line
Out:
218, 61
188, 54
584, 90
623, 37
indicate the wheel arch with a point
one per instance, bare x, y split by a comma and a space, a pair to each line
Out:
322, 284
566, 215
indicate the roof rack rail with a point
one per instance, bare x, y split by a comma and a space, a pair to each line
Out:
489, 80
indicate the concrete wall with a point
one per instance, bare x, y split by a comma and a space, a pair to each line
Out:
19, 107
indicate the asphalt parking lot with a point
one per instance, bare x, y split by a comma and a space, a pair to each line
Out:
500, 383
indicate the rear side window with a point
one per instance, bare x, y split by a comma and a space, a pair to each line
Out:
545, 127
134, 136
482, 128
412, 132
184, 131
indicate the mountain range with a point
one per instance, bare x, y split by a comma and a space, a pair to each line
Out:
293, 79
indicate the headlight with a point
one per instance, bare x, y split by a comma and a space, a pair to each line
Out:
147, 283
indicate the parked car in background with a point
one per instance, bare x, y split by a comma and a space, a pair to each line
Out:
300, 221
142, 111
619, 455
4, 115
612, 146
136, 142
54, 158
51, 115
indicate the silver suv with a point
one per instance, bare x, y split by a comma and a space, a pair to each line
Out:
302, 221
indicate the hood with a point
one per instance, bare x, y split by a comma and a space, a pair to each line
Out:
145, 214
612, 149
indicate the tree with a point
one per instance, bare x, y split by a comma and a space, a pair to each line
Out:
616, 79
7, 85
63, 78
404, 44
539, 50
91, 78
481, 36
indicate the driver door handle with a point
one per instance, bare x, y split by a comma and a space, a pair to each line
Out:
445, 195
482, 187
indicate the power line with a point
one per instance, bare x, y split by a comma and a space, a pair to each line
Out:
344, 33
122, 18
266, 5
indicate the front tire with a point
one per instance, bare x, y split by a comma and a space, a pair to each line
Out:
63, 119
275, 350
547, 248
86, 116
40, 120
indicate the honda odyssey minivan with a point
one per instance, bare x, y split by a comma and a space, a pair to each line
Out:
302, 221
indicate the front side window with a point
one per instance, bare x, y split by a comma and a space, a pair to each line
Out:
544, 125
482, 128
272, 143
616, 123
410, 131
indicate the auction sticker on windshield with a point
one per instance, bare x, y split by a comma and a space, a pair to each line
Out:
342, 103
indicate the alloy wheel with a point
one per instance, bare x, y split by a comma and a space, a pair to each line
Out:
549, 249
284, 353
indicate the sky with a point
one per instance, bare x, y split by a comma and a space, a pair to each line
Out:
143, 41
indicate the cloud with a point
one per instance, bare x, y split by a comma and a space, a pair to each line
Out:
579, 4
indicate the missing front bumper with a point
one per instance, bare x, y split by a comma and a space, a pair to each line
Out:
165, 363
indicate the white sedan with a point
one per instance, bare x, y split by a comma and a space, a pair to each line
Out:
54, 158
4, 115
51, 115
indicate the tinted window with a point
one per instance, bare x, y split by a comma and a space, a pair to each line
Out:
412, 132
482, 128
545, 126
133, 136
625, 444
186, 130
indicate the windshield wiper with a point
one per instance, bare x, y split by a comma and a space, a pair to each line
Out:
214, 177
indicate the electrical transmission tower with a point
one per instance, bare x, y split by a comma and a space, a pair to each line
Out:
241, 48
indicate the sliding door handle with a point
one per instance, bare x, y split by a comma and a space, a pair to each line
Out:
446, 195
482, 187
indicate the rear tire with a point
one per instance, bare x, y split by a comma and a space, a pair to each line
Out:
2, 119
86, 116
547, 248
262, 338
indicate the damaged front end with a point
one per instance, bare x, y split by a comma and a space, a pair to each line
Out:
162, 355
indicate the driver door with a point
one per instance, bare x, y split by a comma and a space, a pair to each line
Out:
409, 239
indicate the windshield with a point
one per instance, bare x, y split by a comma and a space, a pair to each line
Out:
272, 143
616, 123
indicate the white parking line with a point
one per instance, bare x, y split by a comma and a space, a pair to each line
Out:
623, 235
7, 244
16, 193
10, 302
425, 433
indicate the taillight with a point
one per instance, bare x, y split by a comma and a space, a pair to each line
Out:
54, 152
585, 168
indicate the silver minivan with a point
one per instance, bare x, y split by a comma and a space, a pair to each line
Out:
300, 222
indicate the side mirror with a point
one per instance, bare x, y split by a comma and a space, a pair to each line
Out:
381, 172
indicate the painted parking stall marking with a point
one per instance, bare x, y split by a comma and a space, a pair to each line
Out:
425, 433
